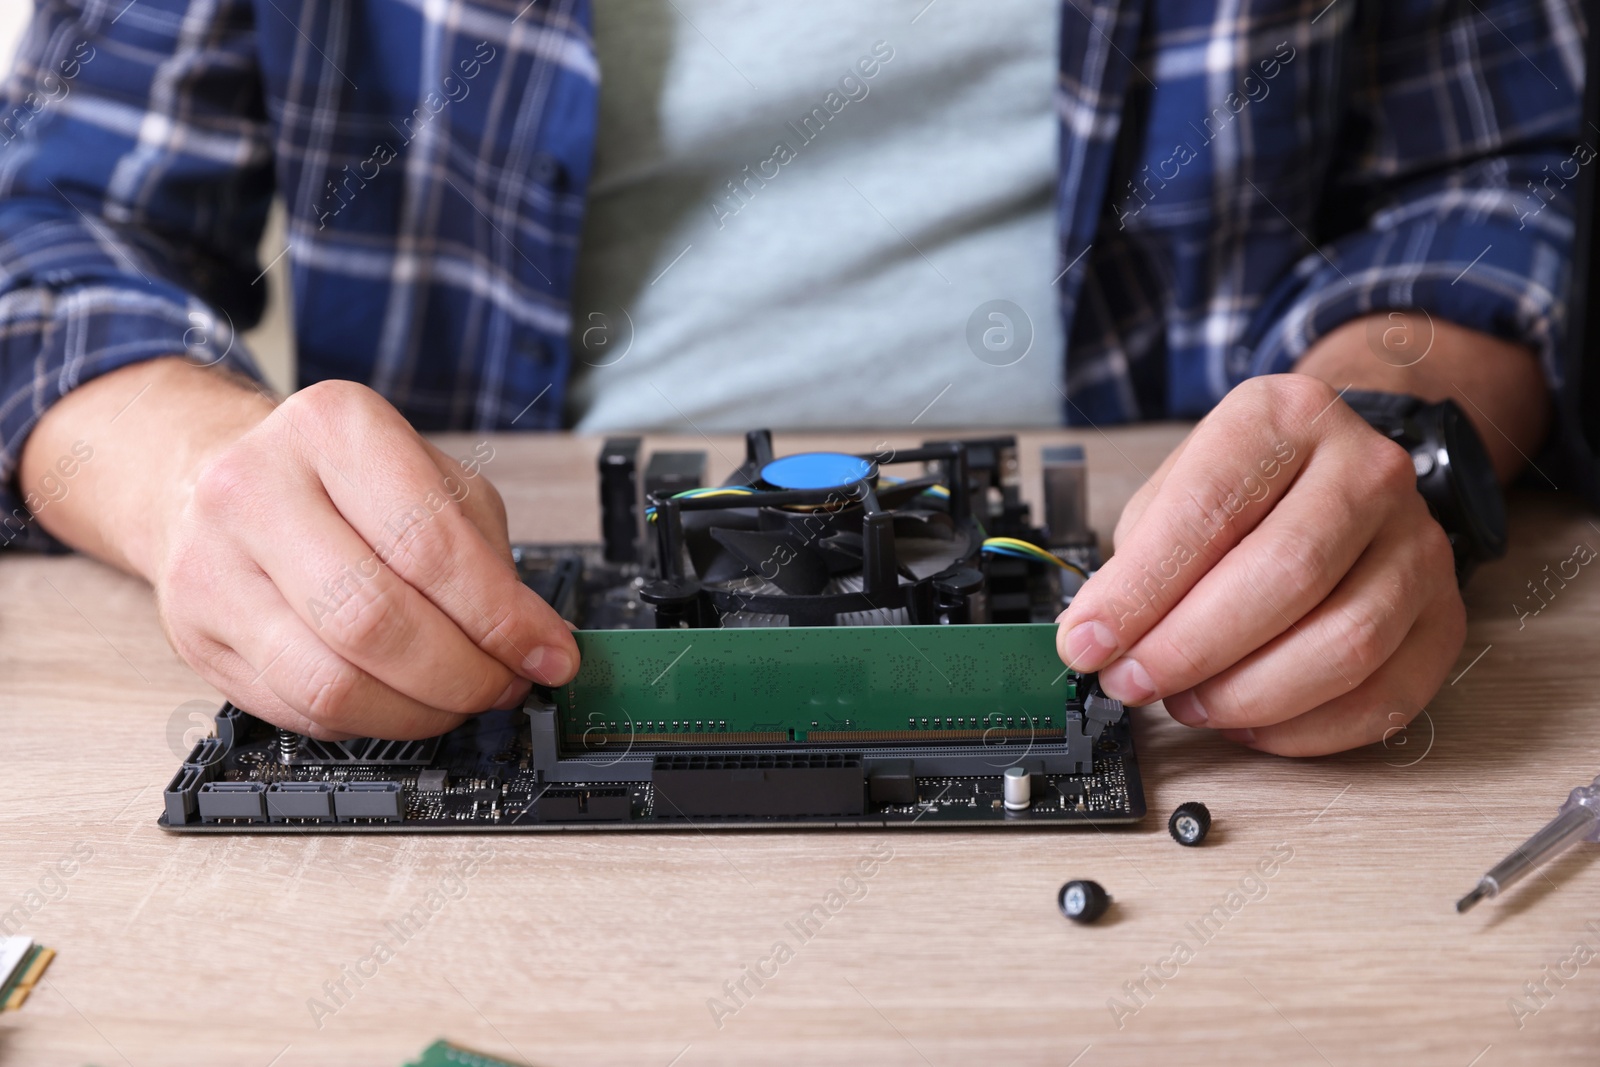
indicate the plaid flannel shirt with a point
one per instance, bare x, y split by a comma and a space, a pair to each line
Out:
1234, 183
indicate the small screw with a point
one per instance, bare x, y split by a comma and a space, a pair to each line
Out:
1189, 823
1083, 901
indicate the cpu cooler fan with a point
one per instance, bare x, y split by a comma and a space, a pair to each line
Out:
821, 539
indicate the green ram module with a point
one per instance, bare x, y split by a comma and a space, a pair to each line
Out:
444, 1054
817, 684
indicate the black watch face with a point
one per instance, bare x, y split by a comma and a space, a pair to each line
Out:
1472, 475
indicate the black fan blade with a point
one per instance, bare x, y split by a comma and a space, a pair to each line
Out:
709, 558
923, 556
797, 570
841, 551
721, 566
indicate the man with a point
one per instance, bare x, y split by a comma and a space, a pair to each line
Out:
324, 566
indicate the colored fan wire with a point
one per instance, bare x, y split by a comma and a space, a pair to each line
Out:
707, 490
1011, 546
933, 490
739, 490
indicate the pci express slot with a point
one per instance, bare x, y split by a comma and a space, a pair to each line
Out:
758, 785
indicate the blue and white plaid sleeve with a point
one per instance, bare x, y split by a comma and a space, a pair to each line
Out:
135, 177
1456, 183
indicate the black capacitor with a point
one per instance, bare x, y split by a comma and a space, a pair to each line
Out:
619, 499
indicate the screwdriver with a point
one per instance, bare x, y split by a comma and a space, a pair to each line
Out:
1579, 818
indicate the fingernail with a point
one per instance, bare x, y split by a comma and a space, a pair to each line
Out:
1186, 708
1089, 645
514, 695
548, 666
1129, 682
1244, 737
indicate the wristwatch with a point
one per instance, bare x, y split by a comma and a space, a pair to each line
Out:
1454, 474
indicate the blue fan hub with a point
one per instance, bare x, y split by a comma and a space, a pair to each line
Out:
817, 470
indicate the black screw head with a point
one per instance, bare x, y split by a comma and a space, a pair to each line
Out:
1189, 823
1083, 901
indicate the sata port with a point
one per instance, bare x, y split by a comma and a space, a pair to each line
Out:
368, 801
300, 801
233, 802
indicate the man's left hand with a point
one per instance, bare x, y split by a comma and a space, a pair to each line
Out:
1279, 579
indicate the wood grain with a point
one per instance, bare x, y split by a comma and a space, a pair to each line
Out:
613, 949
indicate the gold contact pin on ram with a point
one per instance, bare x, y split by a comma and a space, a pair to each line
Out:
22, 964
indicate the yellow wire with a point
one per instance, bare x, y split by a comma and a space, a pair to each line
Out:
728, 491
695, 494
936, 490
1036, 552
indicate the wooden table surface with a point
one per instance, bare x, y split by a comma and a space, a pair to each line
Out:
618, 949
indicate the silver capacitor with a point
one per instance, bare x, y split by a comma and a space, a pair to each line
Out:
1018, 789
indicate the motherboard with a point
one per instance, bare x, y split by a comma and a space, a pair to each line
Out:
813, 642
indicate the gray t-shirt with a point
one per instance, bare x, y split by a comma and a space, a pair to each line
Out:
801, 214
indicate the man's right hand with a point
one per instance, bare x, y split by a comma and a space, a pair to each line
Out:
316, 560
